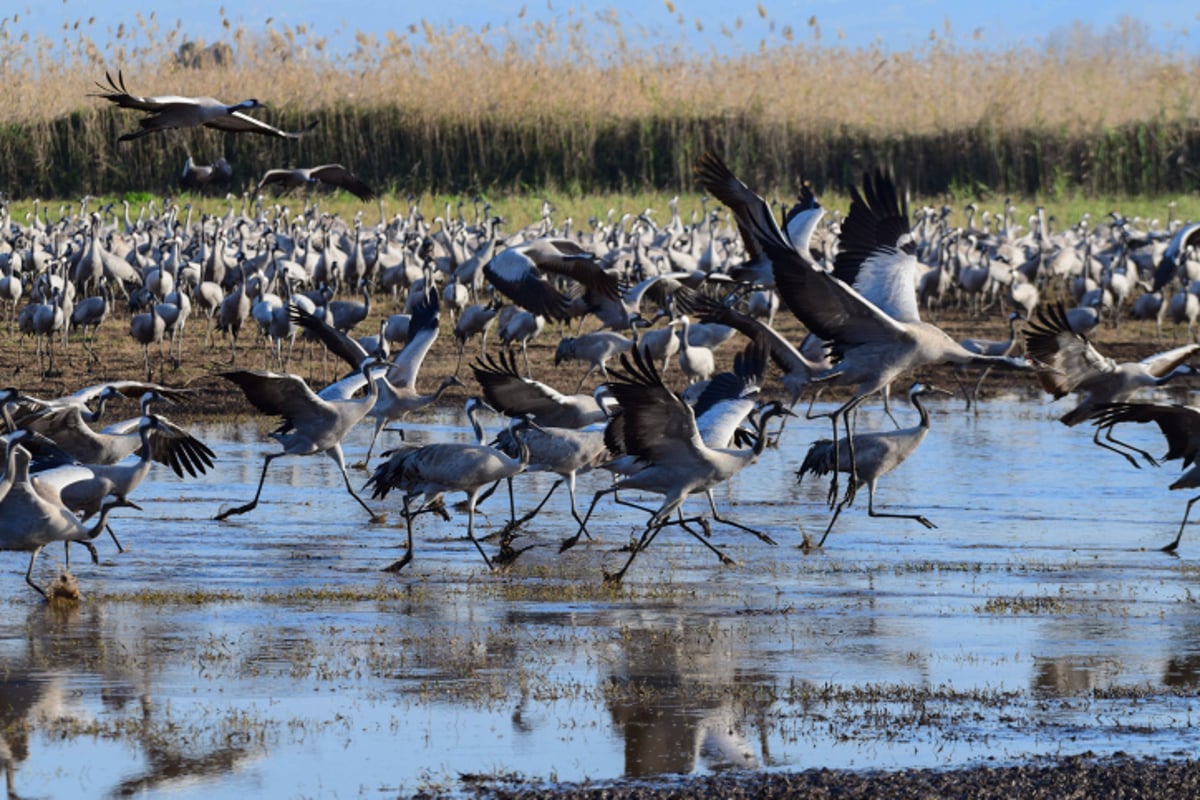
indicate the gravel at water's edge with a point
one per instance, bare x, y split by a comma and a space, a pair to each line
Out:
1084, 777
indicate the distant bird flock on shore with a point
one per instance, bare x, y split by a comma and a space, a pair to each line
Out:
641, 305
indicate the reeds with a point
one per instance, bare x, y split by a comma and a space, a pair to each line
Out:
543, 106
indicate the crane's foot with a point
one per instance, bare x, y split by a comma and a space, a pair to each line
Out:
807, 545
926, 523
614, 577
508, 554
762, 537
232, 511
569, 542
1171, 548
396, 566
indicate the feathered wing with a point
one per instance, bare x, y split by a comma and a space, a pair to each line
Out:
1178, 424
178, 449
876, 251
658, 425
422, 333
337, 342
1162, 364
516, 277
730, 396
286, 396
1063, 358
337, 175
241, 122
509, 393
828, 307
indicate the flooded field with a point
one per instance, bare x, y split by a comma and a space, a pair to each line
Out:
270, 654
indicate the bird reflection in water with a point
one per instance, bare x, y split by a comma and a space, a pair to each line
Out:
66, 641
671, 696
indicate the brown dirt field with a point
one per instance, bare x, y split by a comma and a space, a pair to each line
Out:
121, 358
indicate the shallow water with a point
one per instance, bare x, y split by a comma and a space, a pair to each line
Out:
270, 654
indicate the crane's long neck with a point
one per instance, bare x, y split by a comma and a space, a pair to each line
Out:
94, 416
1182, 369
924, 412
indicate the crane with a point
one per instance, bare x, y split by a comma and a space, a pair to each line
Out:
660, 428
873, 328
310, 424
434, 469
1067, 362
174, 111
877, 454
1180, 425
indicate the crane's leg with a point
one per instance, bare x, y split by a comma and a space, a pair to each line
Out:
91, 548
251, 505
836, 511
517, 523
872, 512
396, 566
120, 549
642, 543
702, 538
335, 453
525, 353
488, 492
29, 573
712, 504
571, 541
462, 347
842, 411
1117, 444
1173, 546
583, 380
380, 421
471, 527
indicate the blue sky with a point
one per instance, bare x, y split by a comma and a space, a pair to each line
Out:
894, 25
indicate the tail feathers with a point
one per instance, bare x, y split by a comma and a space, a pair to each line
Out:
818, 460
388, 475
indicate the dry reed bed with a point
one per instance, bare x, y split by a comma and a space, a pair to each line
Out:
541, 105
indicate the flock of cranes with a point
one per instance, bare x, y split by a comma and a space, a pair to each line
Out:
858, 284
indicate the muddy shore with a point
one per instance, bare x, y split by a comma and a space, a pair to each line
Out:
1082, 776
119, 357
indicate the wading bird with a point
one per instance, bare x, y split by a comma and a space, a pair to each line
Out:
173, 111
397, 388
660, 429
332, 174
310, 424
434, 469
873, 328
876, 454
1067, 362
29, 521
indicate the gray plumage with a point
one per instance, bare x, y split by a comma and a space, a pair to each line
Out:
866, 309
309, 425
173, 111
1180, 425
876, 454
1068, 363
434, 469
332, 174
660, 429
594, 348
29, 519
